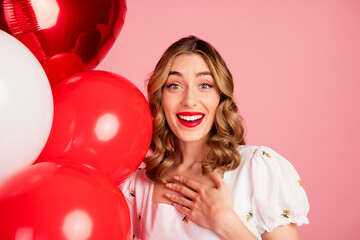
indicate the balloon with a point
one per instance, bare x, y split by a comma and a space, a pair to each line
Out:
100, 119
60, 31
50, 201
26, 106
62, 65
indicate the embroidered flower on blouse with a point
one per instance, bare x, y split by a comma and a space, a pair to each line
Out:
186, 219
139, 217
255, 151
266, 154
299, 182
132, 192
286, 213
249, 216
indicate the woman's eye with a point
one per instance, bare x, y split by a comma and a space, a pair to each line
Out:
205, 86
173, 86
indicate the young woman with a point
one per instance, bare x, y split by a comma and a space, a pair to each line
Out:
201, 180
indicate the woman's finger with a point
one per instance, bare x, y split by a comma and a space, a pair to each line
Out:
188, 182
182, 209
179, 200
217, 178
181, 189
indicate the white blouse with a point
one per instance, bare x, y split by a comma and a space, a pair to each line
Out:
266, 191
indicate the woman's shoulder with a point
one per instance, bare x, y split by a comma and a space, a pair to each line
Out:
247, 151
255, 153
277, 195
252, 148
261, 159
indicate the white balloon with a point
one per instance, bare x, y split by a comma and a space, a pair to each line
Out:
26, 106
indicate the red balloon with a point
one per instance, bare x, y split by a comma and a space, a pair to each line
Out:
61, 66
50, 201
51, 28
100, 119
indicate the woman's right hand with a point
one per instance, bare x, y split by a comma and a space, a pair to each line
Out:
209, 207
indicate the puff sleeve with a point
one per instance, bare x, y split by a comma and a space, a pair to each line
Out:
128, 189
278, 197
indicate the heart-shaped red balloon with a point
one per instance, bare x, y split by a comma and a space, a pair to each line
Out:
66, 36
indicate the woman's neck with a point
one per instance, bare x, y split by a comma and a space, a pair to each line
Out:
188, 153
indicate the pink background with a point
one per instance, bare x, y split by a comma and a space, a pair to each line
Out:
296, 66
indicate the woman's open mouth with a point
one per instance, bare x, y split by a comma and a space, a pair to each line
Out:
190, 119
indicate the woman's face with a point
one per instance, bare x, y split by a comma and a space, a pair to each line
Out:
190, 98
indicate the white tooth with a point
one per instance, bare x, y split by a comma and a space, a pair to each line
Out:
190, 118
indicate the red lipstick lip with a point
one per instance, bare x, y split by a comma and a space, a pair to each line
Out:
189, 113
190, 124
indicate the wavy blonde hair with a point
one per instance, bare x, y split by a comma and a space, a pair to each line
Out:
227, 132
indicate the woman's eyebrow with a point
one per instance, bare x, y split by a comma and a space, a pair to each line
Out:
175, 73
203, 74
199, 74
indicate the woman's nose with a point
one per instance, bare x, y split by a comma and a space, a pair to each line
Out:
189, 97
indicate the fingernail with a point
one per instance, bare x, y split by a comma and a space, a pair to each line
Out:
168, 185
167, 195
176, 178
